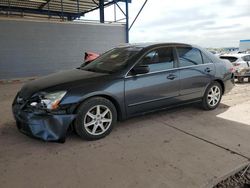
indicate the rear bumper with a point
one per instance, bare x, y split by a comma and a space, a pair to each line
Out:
48, 127
228, 85
245, 72
247, 75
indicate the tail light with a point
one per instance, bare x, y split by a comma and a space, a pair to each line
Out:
236, 64
232, 69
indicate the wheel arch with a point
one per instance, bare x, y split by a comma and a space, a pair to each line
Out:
218, 81
120, 114
222, 85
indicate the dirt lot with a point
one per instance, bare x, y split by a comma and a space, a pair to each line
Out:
183, 147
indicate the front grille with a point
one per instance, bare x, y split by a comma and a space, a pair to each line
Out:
20, 101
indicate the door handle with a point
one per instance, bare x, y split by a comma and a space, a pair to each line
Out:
171, 77
207, 69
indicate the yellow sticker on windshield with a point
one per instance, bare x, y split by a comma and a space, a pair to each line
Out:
114, 56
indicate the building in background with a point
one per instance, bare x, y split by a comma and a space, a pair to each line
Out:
244, 45
230, 49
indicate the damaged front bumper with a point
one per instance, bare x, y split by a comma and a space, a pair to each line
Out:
42, 125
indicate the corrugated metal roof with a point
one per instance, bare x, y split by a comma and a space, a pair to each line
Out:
52, 7
70, 6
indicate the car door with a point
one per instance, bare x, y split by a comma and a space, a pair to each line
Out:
155, 89
196, 72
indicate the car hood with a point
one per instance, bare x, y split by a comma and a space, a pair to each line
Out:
60, 80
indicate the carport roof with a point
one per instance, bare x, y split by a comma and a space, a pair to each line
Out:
68, 8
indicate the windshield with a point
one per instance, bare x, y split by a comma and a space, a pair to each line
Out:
113, 60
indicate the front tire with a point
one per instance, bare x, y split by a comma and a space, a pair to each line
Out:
212, 96
96, 118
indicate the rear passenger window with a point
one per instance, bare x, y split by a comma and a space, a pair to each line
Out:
159, 59
206, 59
189, 56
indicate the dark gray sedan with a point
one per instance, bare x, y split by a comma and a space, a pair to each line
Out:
123, 82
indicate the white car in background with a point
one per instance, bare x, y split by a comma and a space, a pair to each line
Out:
241, 63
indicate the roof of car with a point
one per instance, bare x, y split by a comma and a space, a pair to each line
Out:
234, 55
150, 44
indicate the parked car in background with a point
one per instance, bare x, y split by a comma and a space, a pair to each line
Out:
241, 63
121, 83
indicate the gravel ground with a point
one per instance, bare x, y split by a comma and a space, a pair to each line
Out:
239, 180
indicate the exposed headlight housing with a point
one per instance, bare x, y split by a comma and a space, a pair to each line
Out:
50, 100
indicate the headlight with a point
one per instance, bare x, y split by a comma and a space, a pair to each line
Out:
50, 100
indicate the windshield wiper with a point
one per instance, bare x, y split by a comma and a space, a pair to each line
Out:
91, 70
97, 70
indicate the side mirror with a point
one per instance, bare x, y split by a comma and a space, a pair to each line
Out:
142, 69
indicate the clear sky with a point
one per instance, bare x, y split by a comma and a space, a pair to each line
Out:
209, 23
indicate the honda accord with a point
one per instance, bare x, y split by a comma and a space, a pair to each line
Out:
126, 81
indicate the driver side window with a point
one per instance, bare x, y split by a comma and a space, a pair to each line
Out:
159, 59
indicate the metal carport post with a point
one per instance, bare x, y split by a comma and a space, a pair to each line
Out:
127, 18
101, 8
127, 22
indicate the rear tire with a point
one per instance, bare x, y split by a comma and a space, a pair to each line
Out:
96, 118
212, 96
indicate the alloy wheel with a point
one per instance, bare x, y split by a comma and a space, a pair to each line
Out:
97, 120
213, 96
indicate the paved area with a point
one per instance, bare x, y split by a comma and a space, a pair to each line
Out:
182, 147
